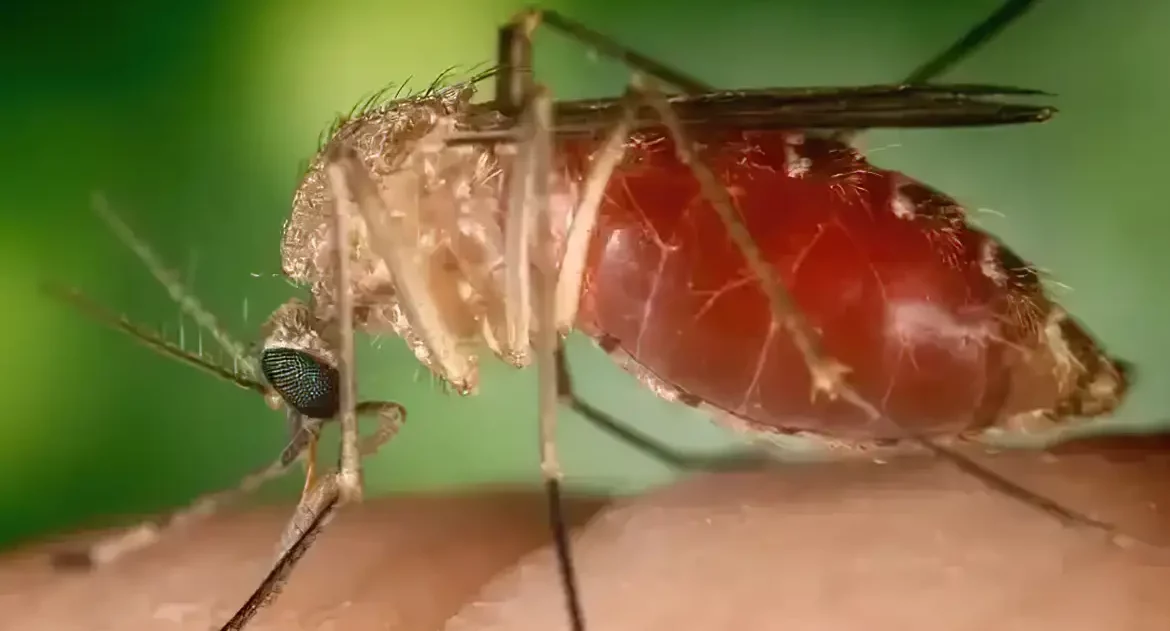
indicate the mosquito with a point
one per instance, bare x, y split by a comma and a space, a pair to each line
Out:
731, 249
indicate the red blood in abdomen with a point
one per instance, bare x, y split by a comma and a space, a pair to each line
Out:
900, 289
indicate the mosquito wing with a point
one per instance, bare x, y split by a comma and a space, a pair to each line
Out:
863, 107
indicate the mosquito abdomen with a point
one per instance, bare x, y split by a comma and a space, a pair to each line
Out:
945, 329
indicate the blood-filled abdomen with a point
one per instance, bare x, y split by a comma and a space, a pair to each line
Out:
944, 329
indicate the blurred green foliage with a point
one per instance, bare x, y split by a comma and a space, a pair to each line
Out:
195, 119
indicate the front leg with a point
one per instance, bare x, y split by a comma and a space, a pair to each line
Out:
349, 478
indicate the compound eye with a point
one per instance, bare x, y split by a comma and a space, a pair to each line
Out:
304, 382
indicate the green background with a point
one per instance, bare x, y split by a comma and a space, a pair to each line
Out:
195, 118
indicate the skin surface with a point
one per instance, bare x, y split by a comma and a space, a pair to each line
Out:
911, 544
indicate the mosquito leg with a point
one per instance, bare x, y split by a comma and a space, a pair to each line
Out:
314, 512
984, 32
350, 468
827, 374
996, 482
528, 213
980, 35
146, 534
576, 249
392, 238
528, 216
510, 85
568, 292
740, 461
316, 507
536, 124
516, 80
180, 294
515, 60
1006, 15
310, 464
517, 66
391, 416
513, 84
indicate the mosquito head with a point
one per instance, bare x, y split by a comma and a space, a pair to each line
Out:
298, 364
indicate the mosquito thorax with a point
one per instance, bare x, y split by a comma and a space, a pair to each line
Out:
448, 203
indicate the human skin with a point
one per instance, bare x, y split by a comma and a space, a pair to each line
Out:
910, 544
